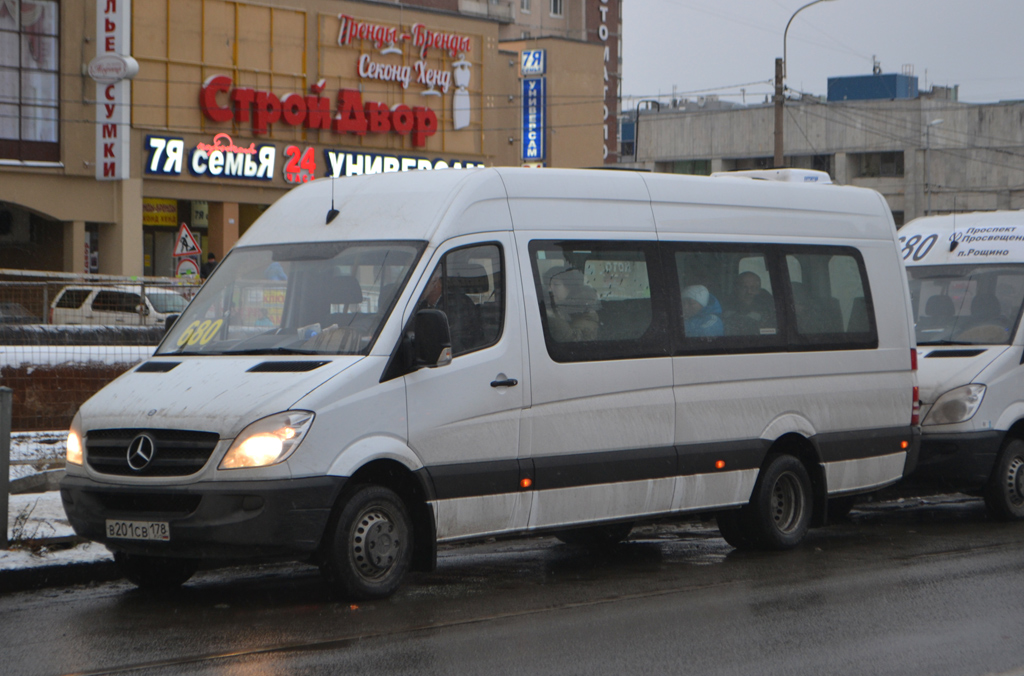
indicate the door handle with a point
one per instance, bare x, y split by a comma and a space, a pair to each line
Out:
509, 382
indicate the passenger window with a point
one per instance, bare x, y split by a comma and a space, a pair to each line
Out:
116, 301
831, 303
595, 299
73, 298
727, 300
468, 285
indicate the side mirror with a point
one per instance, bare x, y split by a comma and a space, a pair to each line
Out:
433, 343
169, 322
142, 309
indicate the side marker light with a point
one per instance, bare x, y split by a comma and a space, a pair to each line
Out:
525, 483
904, 445
720, 464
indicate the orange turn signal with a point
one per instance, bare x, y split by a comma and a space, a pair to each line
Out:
525, 483
719, 464
904, 445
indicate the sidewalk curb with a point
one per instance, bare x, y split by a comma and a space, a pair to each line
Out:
57, 575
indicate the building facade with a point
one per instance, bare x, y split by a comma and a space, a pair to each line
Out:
594, 21
926, 154
121, 120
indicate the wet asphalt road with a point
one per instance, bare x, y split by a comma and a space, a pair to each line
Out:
903, 588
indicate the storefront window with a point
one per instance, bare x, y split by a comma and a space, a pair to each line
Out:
29, 80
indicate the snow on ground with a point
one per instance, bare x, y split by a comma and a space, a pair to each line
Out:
34, 452
41, 515
73, 354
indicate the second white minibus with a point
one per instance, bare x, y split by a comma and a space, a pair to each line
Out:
966, 274
387, 362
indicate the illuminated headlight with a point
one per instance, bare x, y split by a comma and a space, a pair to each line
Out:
268, 441
74, 447
956, 406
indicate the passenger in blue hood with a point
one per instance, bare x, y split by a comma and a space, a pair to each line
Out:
702, 313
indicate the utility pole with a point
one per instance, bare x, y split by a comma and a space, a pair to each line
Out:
779, 102
780, 77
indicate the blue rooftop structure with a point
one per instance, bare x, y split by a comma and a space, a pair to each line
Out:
872, 87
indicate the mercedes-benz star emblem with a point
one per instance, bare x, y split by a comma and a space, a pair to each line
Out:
140, 452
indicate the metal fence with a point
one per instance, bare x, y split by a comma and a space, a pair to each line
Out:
63, 337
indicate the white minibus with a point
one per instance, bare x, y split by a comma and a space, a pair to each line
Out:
384, 363
966, 275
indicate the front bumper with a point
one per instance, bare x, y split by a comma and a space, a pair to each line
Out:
961, 462
226, 520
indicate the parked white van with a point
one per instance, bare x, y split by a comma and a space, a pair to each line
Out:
966, 274
464, 354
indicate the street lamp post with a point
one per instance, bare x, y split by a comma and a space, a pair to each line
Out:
780, 77
927, 164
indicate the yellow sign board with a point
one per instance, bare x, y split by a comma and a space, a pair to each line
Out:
162, 212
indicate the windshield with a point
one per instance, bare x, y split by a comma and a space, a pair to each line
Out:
321, 298
966, 304
166, 303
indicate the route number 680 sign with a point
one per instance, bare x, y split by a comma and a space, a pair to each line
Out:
917, 247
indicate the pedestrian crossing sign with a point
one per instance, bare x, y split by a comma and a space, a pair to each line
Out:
186, 243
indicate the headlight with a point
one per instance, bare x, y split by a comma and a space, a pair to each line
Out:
74, 446
268, 441
956, 406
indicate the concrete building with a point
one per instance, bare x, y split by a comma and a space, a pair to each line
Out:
121, 120
929, 153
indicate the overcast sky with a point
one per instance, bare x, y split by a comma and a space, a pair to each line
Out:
718, 46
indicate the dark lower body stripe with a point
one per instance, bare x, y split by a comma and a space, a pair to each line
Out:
547, 472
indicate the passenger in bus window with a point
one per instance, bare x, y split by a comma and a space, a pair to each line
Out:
702, 313
752, 308
572, 306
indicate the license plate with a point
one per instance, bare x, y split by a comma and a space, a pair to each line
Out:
138, 530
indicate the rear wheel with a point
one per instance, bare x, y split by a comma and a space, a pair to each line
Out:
155, 572
1004, 495
779, 512
370, 547
596, 537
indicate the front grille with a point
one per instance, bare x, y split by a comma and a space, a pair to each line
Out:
156, 503
176, 452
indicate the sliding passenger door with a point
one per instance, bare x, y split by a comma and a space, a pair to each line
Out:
598, 437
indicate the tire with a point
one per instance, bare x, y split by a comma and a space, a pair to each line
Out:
156, 573
733, 527
1004, 494
369, 548
779, 513
596, 537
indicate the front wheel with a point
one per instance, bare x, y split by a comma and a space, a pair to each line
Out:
1004, 495
370, 547
155, 572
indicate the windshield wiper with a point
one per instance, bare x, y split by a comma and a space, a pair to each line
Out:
272, 350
